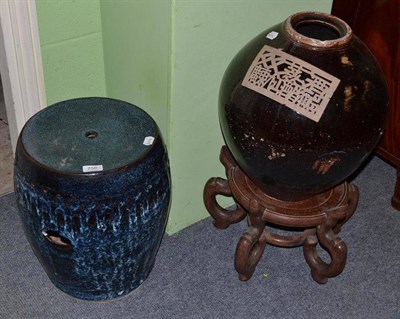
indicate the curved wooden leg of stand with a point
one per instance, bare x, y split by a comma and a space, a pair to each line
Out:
222, 217
250, 246
396, 195
333, 244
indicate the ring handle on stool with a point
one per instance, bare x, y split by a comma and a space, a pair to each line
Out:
56, 240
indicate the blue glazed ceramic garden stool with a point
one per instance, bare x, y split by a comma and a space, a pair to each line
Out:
93, 189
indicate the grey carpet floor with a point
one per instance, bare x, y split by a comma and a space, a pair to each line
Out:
6, 159
194, 276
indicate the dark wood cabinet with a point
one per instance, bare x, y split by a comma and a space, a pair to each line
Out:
377, 24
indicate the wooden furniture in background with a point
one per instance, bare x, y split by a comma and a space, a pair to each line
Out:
377, 24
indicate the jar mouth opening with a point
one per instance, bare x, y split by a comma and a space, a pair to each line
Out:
319, 30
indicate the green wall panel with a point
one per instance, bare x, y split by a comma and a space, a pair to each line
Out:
72, 48
66, 19
136, 37
74, 68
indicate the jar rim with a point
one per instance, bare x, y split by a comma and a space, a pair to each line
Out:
333, 24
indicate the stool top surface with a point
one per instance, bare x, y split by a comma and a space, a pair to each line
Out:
89, 135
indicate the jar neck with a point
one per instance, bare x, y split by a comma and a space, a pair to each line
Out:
317, 30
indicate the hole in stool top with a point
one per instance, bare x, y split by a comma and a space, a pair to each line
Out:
91, 134
94, 132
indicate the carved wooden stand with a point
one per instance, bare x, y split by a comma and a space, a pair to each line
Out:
319, 220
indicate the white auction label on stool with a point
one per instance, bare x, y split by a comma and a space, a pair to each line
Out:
272, 35
148, 140
92, 168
